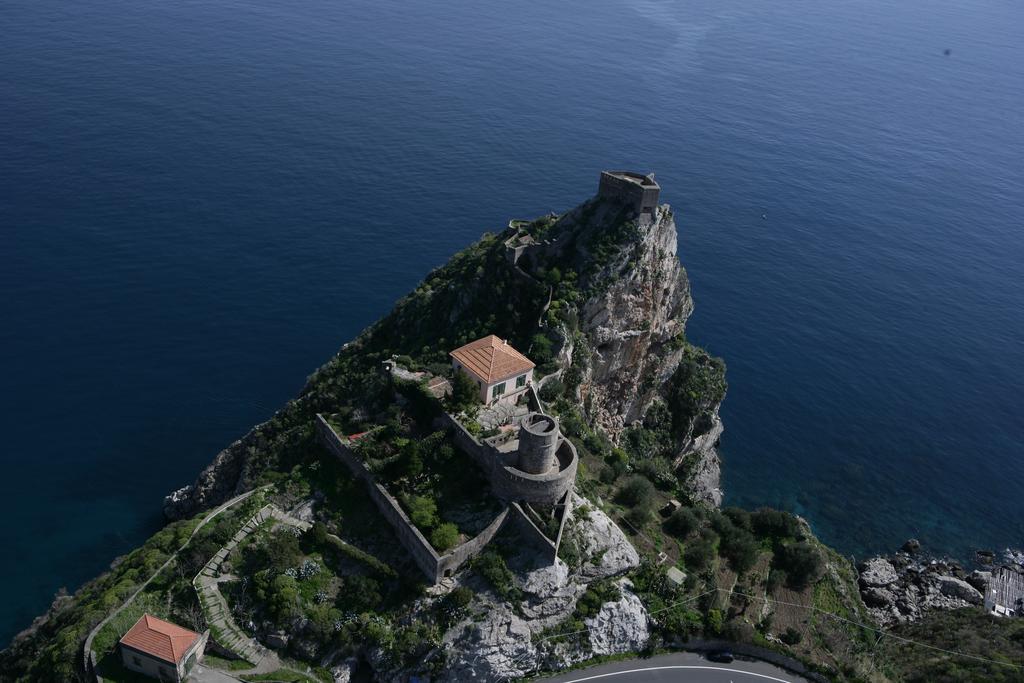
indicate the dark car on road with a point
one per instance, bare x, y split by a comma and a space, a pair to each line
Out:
720, 656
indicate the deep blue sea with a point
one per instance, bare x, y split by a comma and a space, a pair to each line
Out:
200, 201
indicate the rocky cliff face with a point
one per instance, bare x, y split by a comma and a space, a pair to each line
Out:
634, 329
632, 325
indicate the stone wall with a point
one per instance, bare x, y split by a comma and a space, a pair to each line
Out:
419, 548
507, 481
532, 533
471, 548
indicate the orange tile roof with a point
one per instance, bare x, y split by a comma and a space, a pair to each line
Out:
159, 638
491, 359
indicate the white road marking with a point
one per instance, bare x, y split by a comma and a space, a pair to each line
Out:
680, 666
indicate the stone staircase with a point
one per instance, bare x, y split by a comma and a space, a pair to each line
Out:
223, 628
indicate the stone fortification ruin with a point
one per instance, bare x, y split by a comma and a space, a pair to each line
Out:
640, 192
531, 468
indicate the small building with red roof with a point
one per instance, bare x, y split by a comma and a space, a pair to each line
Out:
160, 649
501, 373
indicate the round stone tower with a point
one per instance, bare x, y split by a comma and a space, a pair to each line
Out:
538, 440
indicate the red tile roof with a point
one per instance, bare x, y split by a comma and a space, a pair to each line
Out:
159, 638
491, 359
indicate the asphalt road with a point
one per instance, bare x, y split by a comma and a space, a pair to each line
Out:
680, 667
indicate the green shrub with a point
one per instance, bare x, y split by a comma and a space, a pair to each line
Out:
422, 511
492, 567
636, 491
699, 552
791, 636
682, 523
694, 390
444, 537
465, 392
551, 390
714, 622
802, 563
737, 544
774, 524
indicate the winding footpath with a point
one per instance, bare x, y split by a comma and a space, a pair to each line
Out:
88, 655
226, 632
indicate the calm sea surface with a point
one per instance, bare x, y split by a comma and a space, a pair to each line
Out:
200, 201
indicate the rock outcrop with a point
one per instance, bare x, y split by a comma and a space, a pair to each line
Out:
704, 477
902, 588
510, 641
620, 626
633, 326
632, 323
220, 480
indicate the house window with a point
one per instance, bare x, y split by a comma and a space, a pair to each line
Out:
136, 661
520, 381
498, 390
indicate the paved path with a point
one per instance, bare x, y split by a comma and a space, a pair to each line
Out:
680, 667
203, 674
215, 607
87, 653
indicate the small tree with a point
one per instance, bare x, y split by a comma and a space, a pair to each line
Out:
465, 392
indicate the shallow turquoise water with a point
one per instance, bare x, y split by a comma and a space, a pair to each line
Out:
201, 201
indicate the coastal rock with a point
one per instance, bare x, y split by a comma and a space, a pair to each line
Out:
904, 587
878, 597
219, 481
877, 571
345, 671
912, 545
979, 579
957, 588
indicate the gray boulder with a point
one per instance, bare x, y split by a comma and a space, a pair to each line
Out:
877, 571
953, 587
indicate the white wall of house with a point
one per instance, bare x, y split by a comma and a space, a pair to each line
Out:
513, 386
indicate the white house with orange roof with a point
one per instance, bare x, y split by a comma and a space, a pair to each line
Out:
160, 649
500, 372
